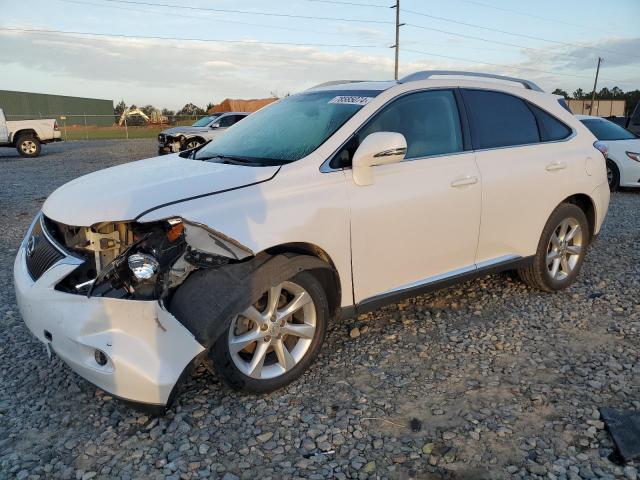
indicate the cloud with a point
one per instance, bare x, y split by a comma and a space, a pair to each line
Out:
169, 73
368, 34
185, 69
616, 51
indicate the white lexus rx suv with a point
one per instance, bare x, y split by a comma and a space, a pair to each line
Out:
327, 203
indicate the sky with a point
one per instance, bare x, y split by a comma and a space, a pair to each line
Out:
198, 51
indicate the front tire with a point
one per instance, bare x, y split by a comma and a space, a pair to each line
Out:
561, 250
274, 341
191, 143
28, 146
613, 175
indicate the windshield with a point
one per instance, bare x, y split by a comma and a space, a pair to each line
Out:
204, 121
606, 130
288, 129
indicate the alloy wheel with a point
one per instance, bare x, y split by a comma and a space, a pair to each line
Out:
273, 335
564, 249
29, 147
609, 175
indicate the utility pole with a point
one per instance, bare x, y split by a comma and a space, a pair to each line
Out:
397, 45
595, 84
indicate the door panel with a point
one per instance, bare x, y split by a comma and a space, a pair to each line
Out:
527, 170
520, 188
412, 223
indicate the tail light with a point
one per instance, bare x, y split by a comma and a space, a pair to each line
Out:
55, 126
602, 147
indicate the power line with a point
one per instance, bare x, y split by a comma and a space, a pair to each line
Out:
155, 12
431, 54
482, 39
182, 15
142, 10
505, 32
336, 2
361, 4
154, 37
517, 12
247, 12
260, 55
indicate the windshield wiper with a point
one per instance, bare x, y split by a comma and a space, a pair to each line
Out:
263, 162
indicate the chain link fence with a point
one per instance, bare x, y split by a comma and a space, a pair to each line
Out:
107, 127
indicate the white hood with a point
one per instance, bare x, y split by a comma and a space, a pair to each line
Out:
126, 191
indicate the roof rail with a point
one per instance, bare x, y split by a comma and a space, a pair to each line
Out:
334, 82
431, 73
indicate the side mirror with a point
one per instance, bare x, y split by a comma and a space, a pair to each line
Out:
379, 148
215, 125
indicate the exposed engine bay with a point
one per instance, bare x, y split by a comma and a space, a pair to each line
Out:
141, 261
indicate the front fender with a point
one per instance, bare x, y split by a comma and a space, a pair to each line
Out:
209, 299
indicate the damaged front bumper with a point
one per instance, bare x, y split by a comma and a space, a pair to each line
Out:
168, 144
144, 349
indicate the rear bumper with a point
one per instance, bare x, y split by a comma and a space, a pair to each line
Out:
146, 348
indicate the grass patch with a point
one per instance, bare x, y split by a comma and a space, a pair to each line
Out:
109, 133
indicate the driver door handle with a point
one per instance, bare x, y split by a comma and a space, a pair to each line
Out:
556, 166
464, 181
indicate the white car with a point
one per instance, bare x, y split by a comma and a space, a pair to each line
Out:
327, 203
623, 158
177, 139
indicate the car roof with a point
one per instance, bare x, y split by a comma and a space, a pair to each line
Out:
445, 77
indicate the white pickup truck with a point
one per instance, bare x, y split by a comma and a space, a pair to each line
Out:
27, 136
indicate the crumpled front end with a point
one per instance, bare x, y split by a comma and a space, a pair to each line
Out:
168, 143
119, 337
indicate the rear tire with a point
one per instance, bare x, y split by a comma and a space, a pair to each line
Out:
561, 250
285, 356
28, 145
613, 176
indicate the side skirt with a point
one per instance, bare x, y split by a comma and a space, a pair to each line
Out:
384, 299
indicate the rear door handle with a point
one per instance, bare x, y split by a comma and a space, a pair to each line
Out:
556, 166
463, 181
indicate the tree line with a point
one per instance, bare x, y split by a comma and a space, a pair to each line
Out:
631, 98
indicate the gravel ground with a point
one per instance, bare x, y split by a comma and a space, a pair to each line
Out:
486, 380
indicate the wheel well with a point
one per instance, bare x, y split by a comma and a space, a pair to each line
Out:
329, 279
586, 204
185, 139
19, 133
614, 163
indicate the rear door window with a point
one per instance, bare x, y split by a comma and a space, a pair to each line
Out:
227, 121
499, 120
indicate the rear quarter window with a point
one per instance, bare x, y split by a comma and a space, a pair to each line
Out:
551, 129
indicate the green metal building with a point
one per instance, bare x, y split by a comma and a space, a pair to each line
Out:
26, 105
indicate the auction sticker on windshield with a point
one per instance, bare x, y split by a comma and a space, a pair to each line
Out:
350, 100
